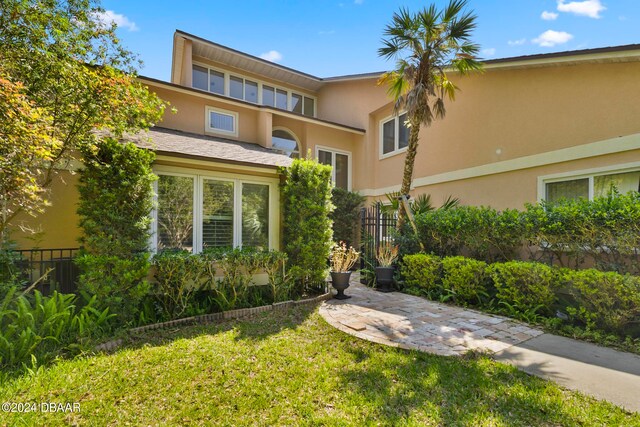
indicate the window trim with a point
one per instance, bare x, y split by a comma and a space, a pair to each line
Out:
292, 133
396, 137
590, 173
227, 88
333, 163
199, 176
207, 122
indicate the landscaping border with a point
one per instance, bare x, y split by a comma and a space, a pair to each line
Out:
209, 318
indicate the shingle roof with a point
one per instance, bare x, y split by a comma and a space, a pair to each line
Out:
183, 144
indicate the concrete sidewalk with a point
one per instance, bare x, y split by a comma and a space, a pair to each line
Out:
410, 322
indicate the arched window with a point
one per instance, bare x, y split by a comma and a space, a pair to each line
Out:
285, 142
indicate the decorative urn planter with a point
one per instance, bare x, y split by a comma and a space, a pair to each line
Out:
384, 279
340, 281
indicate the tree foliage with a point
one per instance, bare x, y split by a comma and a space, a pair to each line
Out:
345, 217
426, 45
72, 71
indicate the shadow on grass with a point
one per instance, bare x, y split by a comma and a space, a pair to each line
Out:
256, 327
410, 386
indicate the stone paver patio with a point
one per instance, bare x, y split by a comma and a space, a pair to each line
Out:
409, 322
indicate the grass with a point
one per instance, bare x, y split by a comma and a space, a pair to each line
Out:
293, 369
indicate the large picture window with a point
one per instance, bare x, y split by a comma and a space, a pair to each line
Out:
199, 212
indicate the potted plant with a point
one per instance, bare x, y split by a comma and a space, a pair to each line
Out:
342, 259
386, 255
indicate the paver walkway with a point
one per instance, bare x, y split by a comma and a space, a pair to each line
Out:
409, 322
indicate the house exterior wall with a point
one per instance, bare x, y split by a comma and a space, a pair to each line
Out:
502, 115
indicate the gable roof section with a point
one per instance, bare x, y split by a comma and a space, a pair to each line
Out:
188, 145
226, 55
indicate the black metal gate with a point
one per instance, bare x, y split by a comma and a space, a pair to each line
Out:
376, 226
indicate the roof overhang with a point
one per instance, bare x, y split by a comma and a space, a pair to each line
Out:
234, 58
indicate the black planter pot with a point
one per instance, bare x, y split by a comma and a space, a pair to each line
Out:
340, 281
384, 279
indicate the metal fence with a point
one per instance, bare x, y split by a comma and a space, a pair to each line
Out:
54, 268
375, 226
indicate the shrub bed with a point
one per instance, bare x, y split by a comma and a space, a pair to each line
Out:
602, 304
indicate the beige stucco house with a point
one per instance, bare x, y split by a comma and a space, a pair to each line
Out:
528, 128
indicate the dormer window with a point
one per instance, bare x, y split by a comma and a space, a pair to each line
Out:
257, 92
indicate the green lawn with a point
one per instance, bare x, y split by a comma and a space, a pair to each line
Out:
293, 369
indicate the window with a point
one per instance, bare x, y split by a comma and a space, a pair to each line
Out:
340, 162
591, 185
394, 135
199, 78
239, 87
175, 212
222, 121
285, 142
228, 213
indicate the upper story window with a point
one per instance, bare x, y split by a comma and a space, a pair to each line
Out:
239, 87
394, 135
222, 121
340, 162
590, 186
285, 142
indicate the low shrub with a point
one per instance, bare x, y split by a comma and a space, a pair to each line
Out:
606, 301
421, 273
524, 289
178, 276
465, 279
118, 284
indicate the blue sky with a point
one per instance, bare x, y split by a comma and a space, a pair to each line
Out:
329, 38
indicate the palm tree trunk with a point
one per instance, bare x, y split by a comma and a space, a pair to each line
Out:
409, 161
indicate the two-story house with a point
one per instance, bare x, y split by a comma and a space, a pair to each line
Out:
528, 128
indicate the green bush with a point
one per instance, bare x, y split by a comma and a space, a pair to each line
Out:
346, 215
524, 288
306, 202
178, 276
604, 300
465, 279
422, 274
118, 283
115, 203
37, 328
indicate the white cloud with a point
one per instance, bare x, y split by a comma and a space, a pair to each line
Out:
108, 17
590, 8
518, 42
490, 51
551, 38
358, 1
272, 55
549, 16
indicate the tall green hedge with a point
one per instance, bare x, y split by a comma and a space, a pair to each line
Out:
306, 202
345, 217
116, 198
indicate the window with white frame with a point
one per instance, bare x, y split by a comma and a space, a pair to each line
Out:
251, 90
195, 212
589, 186
340, 161
394, 135
222, 121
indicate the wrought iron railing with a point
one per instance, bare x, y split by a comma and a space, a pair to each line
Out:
376, 226
51, 268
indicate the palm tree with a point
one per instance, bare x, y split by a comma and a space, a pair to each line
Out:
426, 45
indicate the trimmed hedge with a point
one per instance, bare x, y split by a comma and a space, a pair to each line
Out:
465, 279
600, 301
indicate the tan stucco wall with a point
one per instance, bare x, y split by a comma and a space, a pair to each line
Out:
500, 115
57, 227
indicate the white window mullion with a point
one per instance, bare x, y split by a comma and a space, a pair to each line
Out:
153, 238
591, 188
237, 214
197, 213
